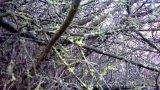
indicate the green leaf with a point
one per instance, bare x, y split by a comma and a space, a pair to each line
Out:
13, 77
71, 69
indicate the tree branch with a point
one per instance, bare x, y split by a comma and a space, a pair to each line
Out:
120, 58
62, 29
9, 26
147, 41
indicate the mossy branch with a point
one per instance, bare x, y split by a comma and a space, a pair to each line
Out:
59, 33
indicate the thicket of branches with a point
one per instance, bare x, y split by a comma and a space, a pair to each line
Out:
79, 44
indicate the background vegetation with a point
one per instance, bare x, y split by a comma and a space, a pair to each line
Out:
79, 44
